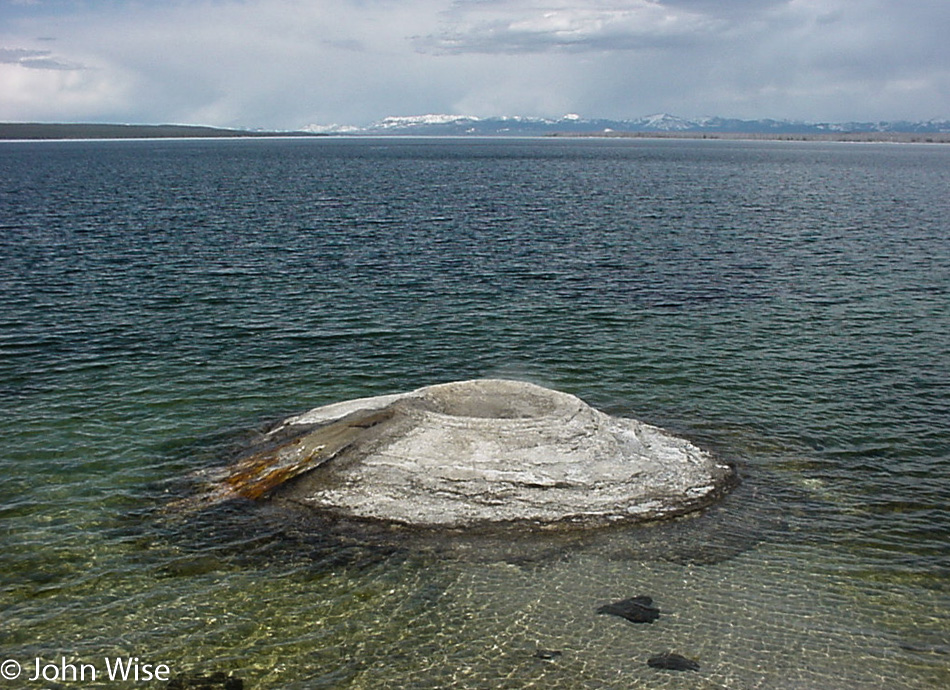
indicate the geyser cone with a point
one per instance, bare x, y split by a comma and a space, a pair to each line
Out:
477, 452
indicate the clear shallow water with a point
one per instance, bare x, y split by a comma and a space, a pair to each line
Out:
784, 304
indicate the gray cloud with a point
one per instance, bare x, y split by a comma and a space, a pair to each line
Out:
527, 26
34, 59
290, 63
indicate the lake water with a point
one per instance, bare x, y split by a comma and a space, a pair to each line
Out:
786, 305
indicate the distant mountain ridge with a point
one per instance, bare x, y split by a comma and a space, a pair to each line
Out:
660, 124
460, 125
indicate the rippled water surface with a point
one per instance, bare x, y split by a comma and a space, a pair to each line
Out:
784, 304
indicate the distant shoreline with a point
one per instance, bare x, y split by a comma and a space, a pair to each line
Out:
13, 131
35, 131
870, 137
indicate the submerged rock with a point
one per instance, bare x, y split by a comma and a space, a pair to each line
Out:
672, 662
635, 609
547, 654
472, 453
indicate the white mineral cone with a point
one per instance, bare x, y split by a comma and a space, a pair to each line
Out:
485, 451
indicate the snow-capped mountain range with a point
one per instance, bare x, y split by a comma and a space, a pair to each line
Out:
441, 124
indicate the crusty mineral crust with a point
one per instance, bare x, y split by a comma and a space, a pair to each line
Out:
477, 452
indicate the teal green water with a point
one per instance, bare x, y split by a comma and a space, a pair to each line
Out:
785, 305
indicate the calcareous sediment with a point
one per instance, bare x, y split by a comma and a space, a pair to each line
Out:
476, 452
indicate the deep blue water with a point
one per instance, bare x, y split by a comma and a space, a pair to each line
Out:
785, 304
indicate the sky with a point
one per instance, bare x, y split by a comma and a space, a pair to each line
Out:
287, 64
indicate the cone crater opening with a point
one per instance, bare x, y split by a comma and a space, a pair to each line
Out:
491, 400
